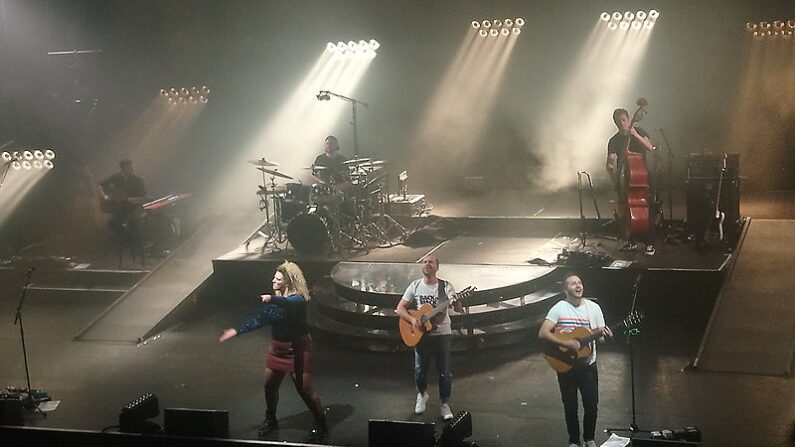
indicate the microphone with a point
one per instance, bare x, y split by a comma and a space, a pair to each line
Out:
637, 280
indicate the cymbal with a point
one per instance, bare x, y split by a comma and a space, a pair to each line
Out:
373, 163
316, 168
275, 173
276, 190
262, 162
356, 161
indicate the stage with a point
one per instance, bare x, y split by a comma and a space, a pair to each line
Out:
503, 382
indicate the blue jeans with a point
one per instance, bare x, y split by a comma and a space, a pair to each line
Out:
586, 380
438, 347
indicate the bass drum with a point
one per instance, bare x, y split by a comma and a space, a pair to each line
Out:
309, 232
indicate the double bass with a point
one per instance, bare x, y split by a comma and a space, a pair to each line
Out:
633, 204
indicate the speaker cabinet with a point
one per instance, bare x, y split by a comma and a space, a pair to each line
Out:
193, 422
701, 196
385, 433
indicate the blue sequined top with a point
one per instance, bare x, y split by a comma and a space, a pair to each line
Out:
286, 315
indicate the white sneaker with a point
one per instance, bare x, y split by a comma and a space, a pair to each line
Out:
574, 445
445, 412
422, 399
590, 443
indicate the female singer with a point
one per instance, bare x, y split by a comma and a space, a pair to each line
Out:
291, 348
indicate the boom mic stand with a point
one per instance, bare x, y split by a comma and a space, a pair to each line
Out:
29, 401
630, 333
325, 95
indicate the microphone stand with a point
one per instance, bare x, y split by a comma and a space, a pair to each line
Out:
29, 401
630, 333
354, 106
582, 213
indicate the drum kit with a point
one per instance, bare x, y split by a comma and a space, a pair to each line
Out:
326, 217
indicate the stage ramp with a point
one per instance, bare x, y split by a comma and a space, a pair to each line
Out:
752, 328
139, 313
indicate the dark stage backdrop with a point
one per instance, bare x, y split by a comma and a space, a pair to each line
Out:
252, 52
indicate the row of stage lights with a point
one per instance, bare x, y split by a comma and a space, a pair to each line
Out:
497, 27
629, 19
27, 160
185, 95
764, 30
362, 49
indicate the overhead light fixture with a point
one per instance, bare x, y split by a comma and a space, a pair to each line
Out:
498, 27
605, 17
28, 159
475, 24
362, 49
186, 95
323, 95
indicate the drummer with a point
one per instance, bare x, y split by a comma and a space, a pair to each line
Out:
330, 166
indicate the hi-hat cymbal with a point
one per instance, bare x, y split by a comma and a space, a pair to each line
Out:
262, 162
355, 161
275, 173
316, 168
373, 163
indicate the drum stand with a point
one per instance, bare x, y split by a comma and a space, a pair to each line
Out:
385, 224
270, 229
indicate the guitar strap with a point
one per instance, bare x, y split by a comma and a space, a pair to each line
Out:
442, 294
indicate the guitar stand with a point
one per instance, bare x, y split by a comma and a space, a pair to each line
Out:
583, 225
630, 334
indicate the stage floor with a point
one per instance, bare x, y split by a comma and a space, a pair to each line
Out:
511, 392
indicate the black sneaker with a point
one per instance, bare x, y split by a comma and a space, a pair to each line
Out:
318, 433
269, 425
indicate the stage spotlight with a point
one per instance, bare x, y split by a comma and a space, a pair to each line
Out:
203, 99
6, 156
617, 16
605, 17
26, 165
764, 25
505, 32
493, 32
15, 165
629, 16
133, 416
331, 47
497, 23
183, 92
163, 92
323, 95
27, 155
751, 26
624, 25
49, 154
483, 33
519, 22
487, 24
475, 24
640, 15
37, 164
778, 25
48, 164
374, 45
648, 24
351, 45
637, 25
508, 22
517, 31
612, 26
653, 14
341, 46
791, 24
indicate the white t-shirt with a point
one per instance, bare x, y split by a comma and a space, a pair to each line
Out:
567, 317
419, 293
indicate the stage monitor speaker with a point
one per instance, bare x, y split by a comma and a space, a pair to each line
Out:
193, 422
10, 411
385, 433
701, 195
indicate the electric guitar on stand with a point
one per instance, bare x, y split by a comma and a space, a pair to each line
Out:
425, 314
562, 359
714, 231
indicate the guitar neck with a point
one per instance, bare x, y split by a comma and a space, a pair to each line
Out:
596, 335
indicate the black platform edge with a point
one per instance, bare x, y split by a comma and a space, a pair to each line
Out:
377, 317
490, 296
85, 278
512, 225
327, 330
18, 436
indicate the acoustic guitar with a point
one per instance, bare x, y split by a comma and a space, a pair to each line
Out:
562, 359
410, 335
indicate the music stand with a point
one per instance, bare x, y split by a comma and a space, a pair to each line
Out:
29, 401
630, 333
